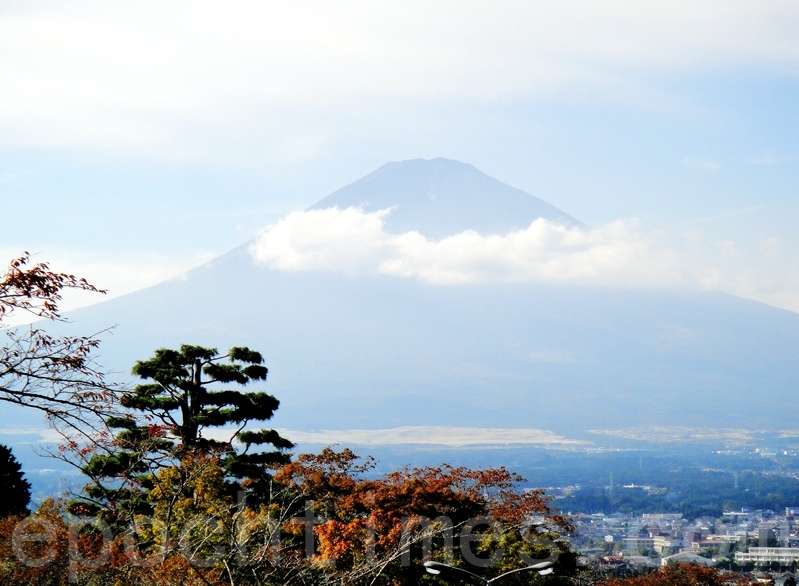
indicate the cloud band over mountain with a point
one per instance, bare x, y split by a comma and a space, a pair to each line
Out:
353, 241
622, 253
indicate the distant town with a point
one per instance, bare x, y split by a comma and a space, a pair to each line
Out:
760, 541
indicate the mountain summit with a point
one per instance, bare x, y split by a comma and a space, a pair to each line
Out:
441, 197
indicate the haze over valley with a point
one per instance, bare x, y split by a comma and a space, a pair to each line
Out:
558, 239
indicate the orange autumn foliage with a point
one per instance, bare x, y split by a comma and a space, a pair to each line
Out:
683, 575
360, 513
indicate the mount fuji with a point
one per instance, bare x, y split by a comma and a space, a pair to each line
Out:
376, 351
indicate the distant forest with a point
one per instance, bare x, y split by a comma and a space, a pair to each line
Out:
694, 480
692, 484
690, 491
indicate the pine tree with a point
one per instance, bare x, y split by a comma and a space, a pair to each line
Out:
168, 416
16, 490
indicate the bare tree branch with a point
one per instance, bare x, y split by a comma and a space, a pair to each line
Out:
55, 375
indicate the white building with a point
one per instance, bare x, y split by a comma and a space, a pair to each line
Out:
767, 555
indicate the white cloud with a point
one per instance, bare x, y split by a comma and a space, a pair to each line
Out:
190, 79
610, 255
619, 254
332, 239
764, 267
117, 276
42, 434
353, 241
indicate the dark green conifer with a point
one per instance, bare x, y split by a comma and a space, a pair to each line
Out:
168, 416
16, 490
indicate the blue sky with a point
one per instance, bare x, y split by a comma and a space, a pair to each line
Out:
140, 139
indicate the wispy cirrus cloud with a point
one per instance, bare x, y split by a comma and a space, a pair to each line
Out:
770, 160
702, 165
551, 356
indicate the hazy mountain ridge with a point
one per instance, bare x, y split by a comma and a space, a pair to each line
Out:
377, 352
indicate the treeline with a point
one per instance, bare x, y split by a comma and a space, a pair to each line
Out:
692, 491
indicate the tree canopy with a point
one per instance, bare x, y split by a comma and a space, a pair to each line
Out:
683, 575
180, 411
16, 490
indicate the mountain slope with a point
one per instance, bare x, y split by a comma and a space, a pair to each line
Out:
379, 351
441, 197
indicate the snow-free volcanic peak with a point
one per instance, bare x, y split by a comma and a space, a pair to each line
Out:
441, 197
375, 351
